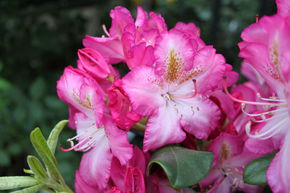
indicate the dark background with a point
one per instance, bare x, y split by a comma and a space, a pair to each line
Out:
38, 39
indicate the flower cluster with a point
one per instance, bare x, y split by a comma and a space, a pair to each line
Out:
176, 93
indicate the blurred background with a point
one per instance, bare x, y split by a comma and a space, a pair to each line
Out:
38, 39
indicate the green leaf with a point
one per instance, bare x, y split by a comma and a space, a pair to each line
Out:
11, 182
31, 189
40, 145
183, 167
53, 137
255, 171
36, 167
4, 84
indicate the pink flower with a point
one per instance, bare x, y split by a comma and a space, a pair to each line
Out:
265, 48
97, 134
173, 92
129, 41
230, 158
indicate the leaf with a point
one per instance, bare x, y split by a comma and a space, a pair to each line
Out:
11, 182
54, 134
255, 171
40, 145
36, 167
31, 189
183, 167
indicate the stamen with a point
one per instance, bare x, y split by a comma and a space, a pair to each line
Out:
265, 133
258, 114
247, 102
105, 30
72, 145
270, 99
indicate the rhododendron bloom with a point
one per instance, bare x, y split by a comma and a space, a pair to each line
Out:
230, 158
129, 41
173, 93
97, 134
266, 48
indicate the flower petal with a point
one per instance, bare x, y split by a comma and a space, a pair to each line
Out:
121, 108
121, 17
110, 48
174, 53
98, 157
93, 62
81, 93
118, 142
82, 187
163, 128
199, 116
278, 174
134, 180
142, 85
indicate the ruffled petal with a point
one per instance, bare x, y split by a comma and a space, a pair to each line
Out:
98, 157
260, 146
199, 116
266, 48
82, 187
143, 85
141, 17
80, 92
121, 17
225, 147
110, 48
121, 108
163, 128
134, 180
118, 142
93, 62
208, 69
191, 31
174, 53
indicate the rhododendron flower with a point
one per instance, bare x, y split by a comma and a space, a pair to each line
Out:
97, 134
230, 158
265, 47
173, 93
129, 41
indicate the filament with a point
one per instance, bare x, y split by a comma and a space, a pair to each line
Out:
247, 102
105, 30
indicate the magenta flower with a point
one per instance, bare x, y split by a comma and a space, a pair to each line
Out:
174, 92
265, 48
128, 41
97, 134
230, 158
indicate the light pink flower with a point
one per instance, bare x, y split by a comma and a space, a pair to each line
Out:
173, 93
97, 134
128, 41
230, 158
265, 48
